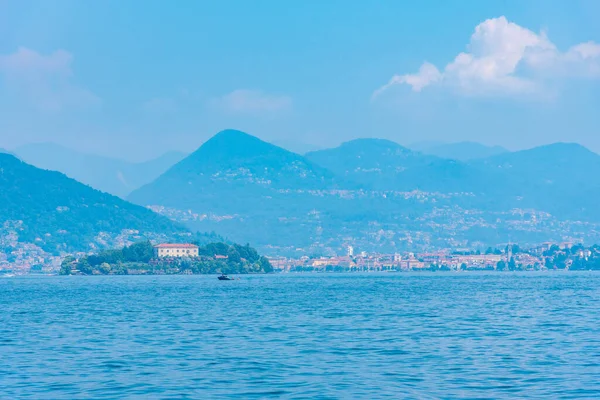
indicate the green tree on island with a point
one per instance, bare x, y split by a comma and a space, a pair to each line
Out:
139, 258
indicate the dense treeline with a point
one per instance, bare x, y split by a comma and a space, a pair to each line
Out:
573, 258
139, 258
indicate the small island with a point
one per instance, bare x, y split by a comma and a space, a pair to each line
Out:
143, 258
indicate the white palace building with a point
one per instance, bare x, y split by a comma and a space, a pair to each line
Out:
175, 250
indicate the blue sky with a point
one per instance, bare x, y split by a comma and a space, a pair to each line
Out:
134, 79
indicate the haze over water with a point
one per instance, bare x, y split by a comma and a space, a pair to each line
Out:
499, 335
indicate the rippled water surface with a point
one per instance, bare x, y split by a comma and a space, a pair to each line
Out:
297, 336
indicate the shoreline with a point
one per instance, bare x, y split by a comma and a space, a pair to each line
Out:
329, 273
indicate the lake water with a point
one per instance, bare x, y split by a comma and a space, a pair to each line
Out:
455, 335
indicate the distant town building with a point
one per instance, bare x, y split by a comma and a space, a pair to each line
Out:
175, 250
350, 251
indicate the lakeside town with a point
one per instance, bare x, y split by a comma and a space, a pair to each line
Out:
511, 257
28, 259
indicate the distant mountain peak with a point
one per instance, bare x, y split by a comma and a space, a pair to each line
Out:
372, 148
235, 139
371, 141
229, 145
373, 144
463, 151
563, 146
232, 135
552, 151
239, 161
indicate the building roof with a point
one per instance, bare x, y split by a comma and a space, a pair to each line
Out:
175, 246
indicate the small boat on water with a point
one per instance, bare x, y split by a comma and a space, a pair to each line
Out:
224, 277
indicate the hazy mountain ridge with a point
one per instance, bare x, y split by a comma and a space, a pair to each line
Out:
111, 175
561, 178
4, 151
58, 213
557, 162
373, 192
373, 163
231, 151
461, 151
231, 169
377, 194
379, 164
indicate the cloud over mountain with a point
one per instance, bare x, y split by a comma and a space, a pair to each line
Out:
504, 58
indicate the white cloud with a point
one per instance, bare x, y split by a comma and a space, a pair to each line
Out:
44, 81
504, 58
254, 102
427, 75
